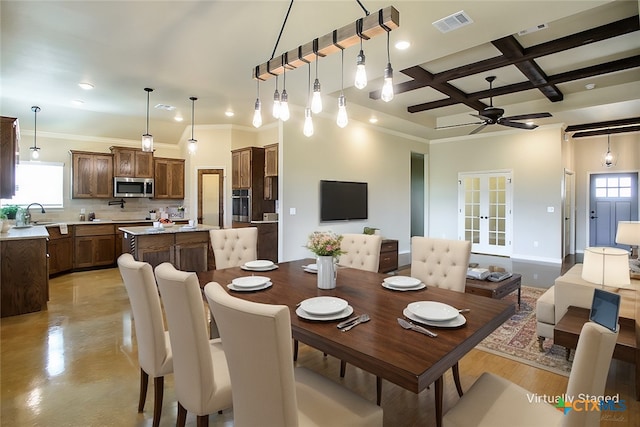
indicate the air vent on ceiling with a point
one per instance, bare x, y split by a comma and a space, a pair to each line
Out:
533, 29
453, 22
165, 107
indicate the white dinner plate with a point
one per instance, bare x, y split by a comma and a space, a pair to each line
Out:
249, 281
260, 263
402, 288
402, 281
257, 288
308, 270
433, 310
323, 306
313, 267
457, 321
271, 267
348, 311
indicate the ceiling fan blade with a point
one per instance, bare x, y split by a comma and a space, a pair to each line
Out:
461, 124
478, 129
518, 125
528, 116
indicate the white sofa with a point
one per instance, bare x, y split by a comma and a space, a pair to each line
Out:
571, 289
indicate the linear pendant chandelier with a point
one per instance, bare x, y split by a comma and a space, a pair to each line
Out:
385, 20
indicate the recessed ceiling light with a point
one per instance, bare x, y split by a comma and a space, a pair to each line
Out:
590, 86
178, 118
403, 45
229, 113
373, 120
85, 86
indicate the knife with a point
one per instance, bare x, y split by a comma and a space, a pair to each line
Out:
347, 322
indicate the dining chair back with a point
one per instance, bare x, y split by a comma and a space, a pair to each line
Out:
200, 367
494, 401
232, 247
440, 262
362, 251
154, 348
267, 390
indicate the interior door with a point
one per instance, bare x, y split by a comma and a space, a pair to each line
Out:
211, 197
484, 211
568, 225
613, 198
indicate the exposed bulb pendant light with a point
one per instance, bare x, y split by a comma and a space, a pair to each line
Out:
276, 102
342, 119
361, 72
192, 143
387, 87
307, 129
609, 158
316, 99
284, 99
35, 150
147, 138
257, 112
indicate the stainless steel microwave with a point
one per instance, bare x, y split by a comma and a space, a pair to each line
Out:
132, 187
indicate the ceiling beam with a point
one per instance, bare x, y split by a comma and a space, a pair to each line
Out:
625, 129
606, 124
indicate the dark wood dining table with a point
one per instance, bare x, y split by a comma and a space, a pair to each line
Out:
381, 346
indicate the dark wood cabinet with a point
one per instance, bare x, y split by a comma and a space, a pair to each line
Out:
9, 150
168, 178
92, 175
24, 279
267, 240
132, 162
388, 256
94, 246
271, 160
248, 173
186, 251
60, 250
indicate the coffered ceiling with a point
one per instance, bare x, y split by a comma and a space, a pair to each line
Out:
209, 48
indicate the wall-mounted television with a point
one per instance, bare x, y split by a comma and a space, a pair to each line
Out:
343, 201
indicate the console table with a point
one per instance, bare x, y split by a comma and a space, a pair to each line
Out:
495, 290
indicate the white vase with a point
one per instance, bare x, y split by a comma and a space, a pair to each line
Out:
326, 272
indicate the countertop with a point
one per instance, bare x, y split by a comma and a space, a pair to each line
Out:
142, 231
33, 232
264, 222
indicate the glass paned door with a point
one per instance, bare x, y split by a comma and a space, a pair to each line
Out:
485, 211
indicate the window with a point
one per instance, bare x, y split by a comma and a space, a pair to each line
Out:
38, 182
618, 186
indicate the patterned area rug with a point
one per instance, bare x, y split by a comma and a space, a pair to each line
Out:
516, 339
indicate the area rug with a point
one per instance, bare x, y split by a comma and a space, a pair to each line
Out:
516, 339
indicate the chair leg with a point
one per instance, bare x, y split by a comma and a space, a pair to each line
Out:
378, 390
540, 343
182, 416
144, 383
295, 350
456, 378
203, 421
343, 368
158, 383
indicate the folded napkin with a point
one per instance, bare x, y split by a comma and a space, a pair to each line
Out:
63, 229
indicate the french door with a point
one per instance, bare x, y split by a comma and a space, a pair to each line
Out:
485, 211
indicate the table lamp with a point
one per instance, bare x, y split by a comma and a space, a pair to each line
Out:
606, 267
629, 234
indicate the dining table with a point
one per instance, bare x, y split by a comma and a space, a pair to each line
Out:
380, 346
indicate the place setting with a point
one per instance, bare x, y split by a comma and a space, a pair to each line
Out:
403, 283
250, 284
259, 265
435, 314
324, 308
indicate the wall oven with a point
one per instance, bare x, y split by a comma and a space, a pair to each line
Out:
132, 187
241, 205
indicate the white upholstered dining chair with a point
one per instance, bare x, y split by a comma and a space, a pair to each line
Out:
361, 251
267, 390
201, 375
441, 263
233, 247
154, 348
493, 401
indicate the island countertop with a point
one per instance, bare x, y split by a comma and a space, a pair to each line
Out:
143, 231
33, 232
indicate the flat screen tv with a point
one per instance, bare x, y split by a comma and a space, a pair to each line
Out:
343, 201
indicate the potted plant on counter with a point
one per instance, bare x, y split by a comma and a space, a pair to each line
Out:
9, 211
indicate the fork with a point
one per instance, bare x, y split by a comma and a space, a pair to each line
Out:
363, 318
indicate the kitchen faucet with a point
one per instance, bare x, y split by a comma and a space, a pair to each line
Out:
27, 214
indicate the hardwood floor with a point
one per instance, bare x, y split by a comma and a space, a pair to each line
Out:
76, 365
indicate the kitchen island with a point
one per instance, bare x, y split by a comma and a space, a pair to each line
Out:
187, 248
24, 278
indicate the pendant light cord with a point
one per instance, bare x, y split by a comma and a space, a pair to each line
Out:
193, 104
281, 30
148, 92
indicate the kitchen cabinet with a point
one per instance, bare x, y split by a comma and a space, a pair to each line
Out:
388, 256
241, 166
191, 251
247, 167
24, 280
60, 250
168, 178
271, 160
132, 162
267, 246
94, 246
92, 175
9, 150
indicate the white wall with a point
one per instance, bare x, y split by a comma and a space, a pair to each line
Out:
359, 152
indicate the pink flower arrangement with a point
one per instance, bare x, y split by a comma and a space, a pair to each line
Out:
325, 243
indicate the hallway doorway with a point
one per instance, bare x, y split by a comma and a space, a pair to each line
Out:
211, 197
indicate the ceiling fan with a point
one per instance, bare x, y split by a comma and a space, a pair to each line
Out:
493, 115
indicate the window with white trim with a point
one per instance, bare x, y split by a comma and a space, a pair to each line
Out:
38, 182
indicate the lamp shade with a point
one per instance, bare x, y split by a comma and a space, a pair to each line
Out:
628, 233
606, 266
